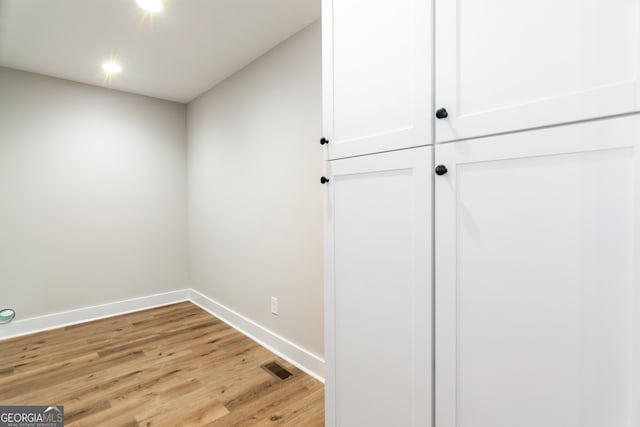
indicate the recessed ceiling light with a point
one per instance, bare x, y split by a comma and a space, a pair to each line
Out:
111, 67
150, 5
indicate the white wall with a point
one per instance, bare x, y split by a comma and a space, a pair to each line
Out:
255, 201
92, 195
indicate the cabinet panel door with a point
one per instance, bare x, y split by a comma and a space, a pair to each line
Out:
378, 293
376, 75
503, 65
537, 285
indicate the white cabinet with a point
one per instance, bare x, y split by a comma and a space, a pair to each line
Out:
376, 75
537, 217
378, 290
504, 65
537, 281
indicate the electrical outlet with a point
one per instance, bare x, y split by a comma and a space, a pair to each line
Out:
274, 305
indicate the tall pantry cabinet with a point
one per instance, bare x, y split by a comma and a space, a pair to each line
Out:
482, 214
378, 249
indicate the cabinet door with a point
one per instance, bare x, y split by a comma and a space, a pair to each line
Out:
537, 286
376, 75
378, 293
503, 65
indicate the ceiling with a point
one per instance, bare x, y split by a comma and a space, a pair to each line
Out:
176, 54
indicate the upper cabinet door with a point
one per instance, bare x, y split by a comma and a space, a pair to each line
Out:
376, 75
504, 65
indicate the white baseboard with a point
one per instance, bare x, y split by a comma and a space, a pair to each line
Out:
65, 318
294, 354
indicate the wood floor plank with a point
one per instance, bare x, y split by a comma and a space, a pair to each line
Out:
170, 366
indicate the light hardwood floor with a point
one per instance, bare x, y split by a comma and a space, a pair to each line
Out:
170, 366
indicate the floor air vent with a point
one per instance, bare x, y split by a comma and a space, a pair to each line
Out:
276, 370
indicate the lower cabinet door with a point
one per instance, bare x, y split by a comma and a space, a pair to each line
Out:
537, 282
378, 290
